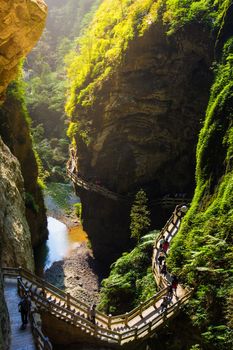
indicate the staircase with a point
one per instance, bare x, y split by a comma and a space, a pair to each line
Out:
138, 324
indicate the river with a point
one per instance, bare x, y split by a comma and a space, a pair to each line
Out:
61, 242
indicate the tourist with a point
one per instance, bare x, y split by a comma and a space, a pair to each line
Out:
170, 292
161, 258
92, 313
24, 307
161, 242
164, 269
165, 246
174, 284
164, 304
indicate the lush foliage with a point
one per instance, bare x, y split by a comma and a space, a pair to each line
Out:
52, 154
78, 209
46, 82
181, 12
203, 251
102, 46
140, 216
45, 68
103, 43
131, 279
62, 195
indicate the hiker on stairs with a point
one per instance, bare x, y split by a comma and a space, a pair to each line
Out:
24, 307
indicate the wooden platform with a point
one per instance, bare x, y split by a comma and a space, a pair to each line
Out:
20, 339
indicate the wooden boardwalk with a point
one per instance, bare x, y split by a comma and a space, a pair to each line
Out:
138, 324
20, 339
100, 189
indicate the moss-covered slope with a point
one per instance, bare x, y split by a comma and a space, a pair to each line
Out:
14, 130
131, 279
137, 95
203, 251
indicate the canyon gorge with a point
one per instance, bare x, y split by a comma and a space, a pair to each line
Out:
149, 105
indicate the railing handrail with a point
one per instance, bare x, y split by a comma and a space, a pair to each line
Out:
41, 341
97, 188
104, 330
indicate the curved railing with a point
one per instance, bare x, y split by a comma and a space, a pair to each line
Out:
139, 323
90, 186
165, 202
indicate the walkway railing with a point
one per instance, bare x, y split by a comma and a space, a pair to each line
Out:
94, 187
139, 323
90, 186
168, 202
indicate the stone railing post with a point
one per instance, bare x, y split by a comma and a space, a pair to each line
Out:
149, 327
19, 280
141, 309
154, 303
165, 316
126, 319
43, 288
68, 300
95, 330
119, 339
109, 321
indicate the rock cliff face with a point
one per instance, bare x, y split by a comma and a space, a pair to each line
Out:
4, 327
143, 128
21, 26
15, 134
15, 234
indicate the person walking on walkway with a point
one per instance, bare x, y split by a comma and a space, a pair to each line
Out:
161, 258
92, 313
164, 304
174, 284
170, 292
164, 269
162, 240
165, 246
24, 307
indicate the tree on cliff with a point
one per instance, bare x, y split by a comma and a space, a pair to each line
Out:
140, 216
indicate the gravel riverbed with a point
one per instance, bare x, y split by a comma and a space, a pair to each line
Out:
79, 274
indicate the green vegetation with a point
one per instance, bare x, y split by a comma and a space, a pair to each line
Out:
17, 90
61, 194
51, 154
140, 216
131, 279
17, 93
46, 83
45, 66
78, 209
203, 251
103, 44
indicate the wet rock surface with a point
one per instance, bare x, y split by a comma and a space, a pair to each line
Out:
79, 274
143, 130
16, 248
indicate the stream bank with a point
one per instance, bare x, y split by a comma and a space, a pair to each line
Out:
68, 262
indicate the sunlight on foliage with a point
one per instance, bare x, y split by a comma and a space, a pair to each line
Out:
140, 216
203, 250
131, 279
